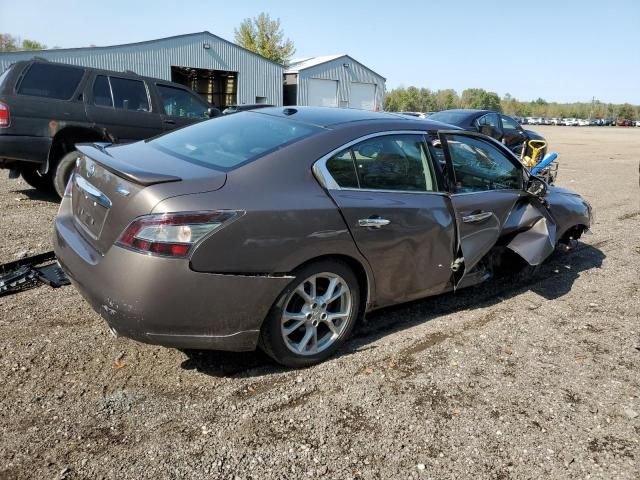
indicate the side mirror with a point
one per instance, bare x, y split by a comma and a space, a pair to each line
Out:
537, 187
213, 112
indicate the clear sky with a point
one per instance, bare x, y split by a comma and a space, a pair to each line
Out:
559, 50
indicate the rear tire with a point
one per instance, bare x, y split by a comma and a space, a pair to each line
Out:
313, 316
34, 178
62, 172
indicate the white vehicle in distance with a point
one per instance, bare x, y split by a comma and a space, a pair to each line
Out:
570, 122
583, 123
556, 121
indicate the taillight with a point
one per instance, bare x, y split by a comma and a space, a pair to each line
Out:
173, 234
5, 117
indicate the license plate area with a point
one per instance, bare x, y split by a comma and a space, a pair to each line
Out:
90, 206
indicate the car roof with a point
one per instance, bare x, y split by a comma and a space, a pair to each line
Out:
331, 117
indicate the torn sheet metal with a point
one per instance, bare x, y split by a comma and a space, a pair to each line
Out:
537, 242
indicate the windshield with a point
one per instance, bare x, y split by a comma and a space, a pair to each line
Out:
449, 117
229, 141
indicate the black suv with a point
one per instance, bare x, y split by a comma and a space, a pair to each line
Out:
46, 108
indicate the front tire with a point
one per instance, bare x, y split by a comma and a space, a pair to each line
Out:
313, 316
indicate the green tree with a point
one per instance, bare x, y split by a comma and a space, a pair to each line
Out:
480, 99
264, 36
8, 43
32, 45
626, 112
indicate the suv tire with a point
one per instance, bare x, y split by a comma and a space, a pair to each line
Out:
34, 178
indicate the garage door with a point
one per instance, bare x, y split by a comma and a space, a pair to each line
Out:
323, 93
363, 96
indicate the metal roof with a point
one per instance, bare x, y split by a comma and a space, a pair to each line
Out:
300, 64
145, 42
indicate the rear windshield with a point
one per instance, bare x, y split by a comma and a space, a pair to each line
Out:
227, 142
449, 117
51, 81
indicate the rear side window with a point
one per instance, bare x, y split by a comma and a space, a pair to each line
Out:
394, 162
229, 141
180, 103
51, 81
343, 170
102, 92
129, 94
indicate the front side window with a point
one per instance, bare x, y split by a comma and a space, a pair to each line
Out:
102, 92
180, 103
509, 123
232, 140
129, 94
51, 81
479, 166
394, 162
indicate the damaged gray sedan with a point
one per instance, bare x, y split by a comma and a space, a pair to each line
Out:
280, 228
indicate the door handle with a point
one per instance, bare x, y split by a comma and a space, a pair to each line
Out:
373, 222
476, 217
170, 122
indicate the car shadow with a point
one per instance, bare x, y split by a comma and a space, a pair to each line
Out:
551, 280
34, 194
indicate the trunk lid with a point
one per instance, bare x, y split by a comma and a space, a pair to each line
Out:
113, 185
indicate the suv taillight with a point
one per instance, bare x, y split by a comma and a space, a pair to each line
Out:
5, 117
173, 234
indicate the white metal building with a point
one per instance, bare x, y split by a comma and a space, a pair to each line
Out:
220, 71
333, 81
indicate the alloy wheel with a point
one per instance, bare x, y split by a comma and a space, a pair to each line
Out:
316, 313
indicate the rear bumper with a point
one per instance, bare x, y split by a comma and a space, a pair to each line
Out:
23, 148
161, 300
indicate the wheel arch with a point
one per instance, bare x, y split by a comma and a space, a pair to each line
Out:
65, 139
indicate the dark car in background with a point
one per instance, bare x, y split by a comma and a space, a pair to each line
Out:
502, 127
281, 227
46, 108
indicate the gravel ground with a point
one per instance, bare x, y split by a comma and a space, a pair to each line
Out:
527, 377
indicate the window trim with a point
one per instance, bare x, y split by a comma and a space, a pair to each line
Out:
442, 135
93, 96
324, 177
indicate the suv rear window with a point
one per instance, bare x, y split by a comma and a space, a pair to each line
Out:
51, 81
229, 141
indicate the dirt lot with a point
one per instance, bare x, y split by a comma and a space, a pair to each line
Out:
529, 377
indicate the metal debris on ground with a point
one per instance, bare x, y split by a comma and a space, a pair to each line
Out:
29, 272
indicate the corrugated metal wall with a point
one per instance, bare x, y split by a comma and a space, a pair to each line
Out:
335, 70
257, 77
